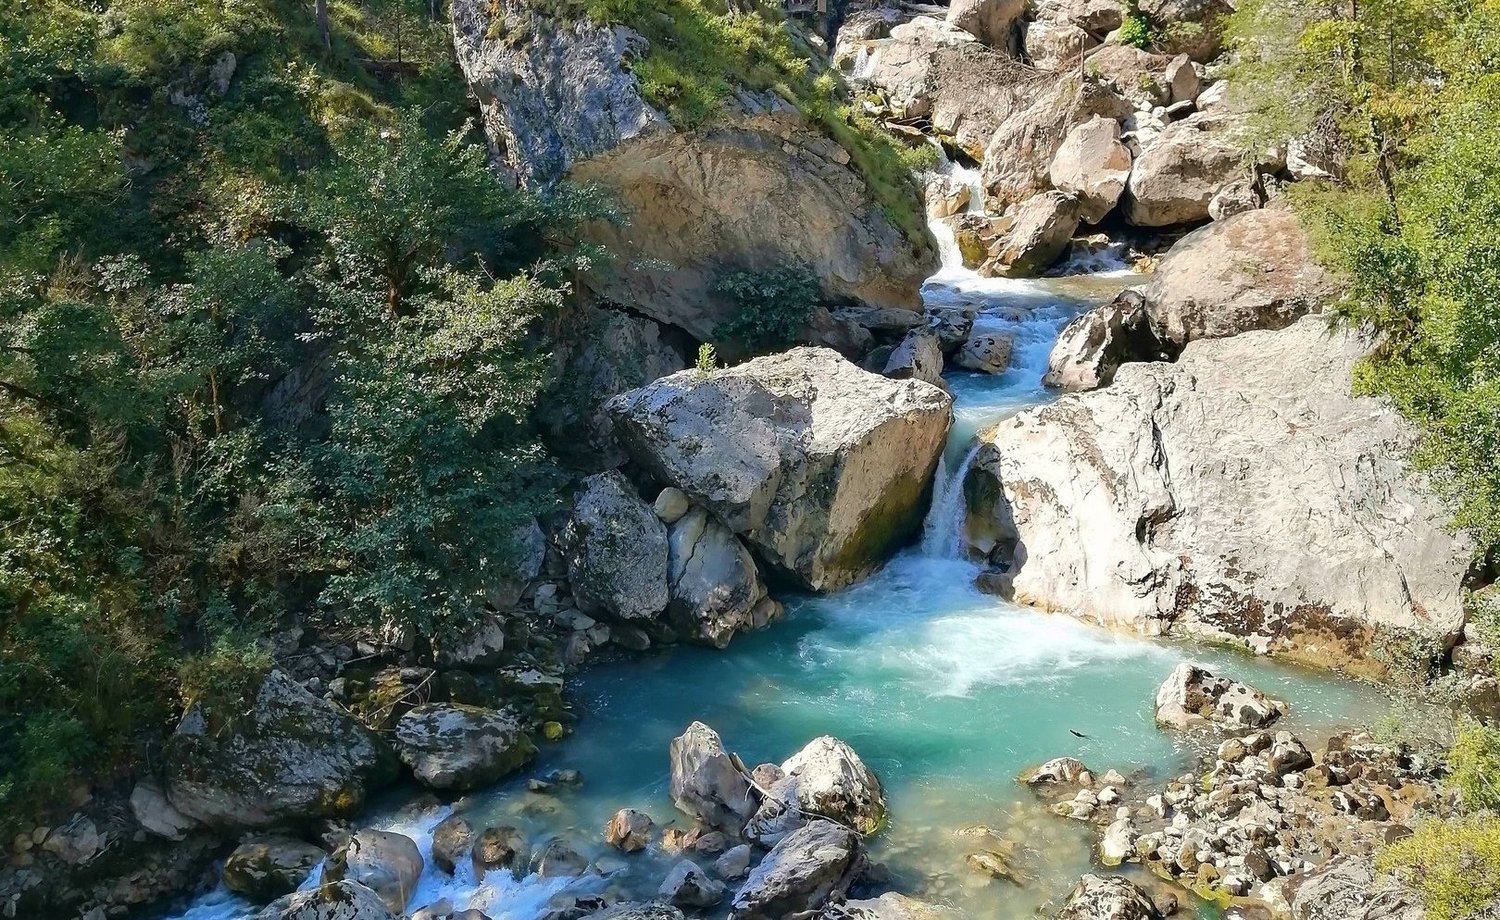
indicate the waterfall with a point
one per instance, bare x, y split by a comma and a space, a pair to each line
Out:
942, 531
951, 259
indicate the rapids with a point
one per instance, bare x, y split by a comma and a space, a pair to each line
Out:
946, 692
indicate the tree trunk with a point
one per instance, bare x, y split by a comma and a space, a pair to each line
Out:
320, 10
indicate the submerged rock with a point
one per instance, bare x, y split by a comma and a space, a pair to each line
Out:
286, 757
819, 465
628, 830
387, 863
451, 839
1240, 494
1192, 697
497, 848
454, 747
808, 868
705, 782
889, 906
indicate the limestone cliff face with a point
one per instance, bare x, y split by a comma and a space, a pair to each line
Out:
756, 187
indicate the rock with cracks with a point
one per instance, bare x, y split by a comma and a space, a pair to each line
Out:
826, 779
715, 586
456, 748
808, 868
820, 466
616, 551
706, 782
287, 756
1241, 494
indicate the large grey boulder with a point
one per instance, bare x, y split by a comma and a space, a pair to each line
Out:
705, 782
268, 867
918, 356
1036, 234
1348, 888
1111, 897
825, 779
715, 586
1175, 178
761, 186
809, 867
1018, 155
616, 550
456, 748
819, 465
1193, 697
936, 70
994, 22
385, 862
344, 900
1093, 345
283, 756
1092, 165
1241, 494
1247, 271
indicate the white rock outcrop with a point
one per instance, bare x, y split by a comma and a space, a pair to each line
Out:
1240, 494
820, 466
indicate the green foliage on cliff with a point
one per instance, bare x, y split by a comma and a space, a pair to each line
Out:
1404, 97
772, 308
269, 341
701, 50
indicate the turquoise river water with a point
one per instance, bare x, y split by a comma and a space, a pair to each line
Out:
946, 692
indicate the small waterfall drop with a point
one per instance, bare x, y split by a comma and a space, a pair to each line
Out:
951, 258
942, 531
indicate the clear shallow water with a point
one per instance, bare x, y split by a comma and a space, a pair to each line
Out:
946, 692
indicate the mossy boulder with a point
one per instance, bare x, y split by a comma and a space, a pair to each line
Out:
284, 756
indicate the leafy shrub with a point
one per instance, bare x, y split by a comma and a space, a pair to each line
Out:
1475, 764
1135, 30
1453, 865
772, 307
708, 359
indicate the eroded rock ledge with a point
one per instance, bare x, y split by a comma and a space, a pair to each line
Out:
1240, 494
